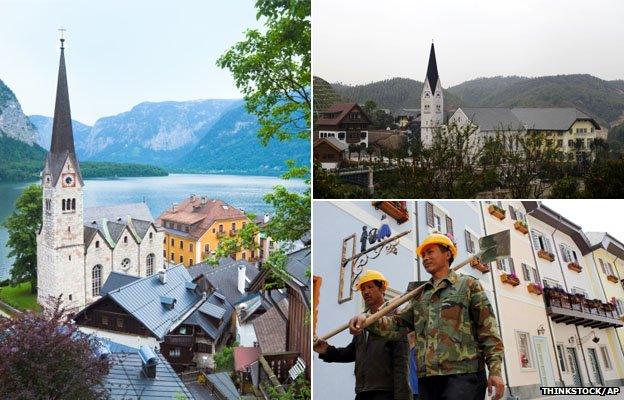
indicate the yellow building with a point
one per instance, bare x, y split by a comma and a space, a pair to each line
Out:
194, 228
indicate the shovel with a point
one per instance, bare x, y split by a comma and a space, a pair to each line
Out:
493, 247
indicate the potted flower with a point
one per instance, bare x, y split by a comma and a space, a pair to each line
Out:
535, 288
574, 266
496, 211
546, 255
612, 278
510, 279
476, 264
521, 226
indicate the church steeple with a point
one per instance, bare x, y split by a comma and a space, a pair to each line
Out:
62, 145
432, 69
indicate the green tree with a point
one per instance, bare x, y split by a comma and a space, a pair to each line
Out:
22, 226
244, 239
224, 358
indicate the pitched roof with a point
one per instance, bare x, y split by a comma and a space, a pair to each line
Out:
432, 69
200, 214
224, 277
270, 329
333, 142
298, 265
607, 242
142, 299
551, 118
243, 356
125, 379
212, 317
223, 383
116, 280
111, 221
338, 112
492, 118
62, 143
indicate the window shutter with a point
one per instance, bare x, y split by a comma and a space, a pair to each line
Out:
512, 213
564, 253
499, 265
535, 240
536, 276
468, 242
449, 225
512, 268
429, 213
525, 273
604, 271
575, 257
547, 244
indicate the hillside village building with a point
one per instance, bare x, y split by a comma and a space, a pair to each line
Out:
558, 298
345, 122
78, 247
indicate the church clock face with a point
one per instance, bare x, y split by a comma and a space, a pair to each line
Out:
68, 180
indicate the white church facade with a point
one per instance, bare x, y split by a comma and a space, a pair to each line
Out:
78, 247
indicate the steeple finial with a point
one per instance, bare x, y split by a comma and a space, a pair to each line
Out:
62, 30
432, 69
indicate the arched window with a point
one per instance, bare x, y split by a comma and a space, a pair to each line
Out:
125, 264
73, 204
125, 239
149, 262
63, 202
97, 244
96, 280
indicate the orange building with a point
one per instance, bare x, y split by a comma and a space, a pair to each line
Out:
194, 227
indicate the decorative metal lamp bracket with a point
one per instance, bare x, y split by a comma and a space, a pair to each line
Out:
352, 267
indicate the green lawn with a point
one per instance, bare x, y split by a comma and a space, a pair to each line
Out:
20, 297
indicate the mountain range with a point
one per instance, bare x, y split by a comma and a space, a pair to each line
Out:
202, 136
604, 100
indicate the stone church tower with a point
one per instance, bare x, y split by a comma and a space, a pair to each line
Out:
60, 242
431, 102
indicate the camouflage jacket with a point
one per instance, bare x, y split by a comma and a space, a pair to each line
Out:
456, 329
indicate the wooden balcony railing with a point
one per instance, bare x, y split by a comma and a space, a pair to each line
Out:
180, 340
574, 309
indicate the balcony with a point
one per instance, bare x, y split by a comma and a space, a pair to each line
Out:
563, 307
395, 209
546, 255
180, 340
496, 211
521, 227
573, 266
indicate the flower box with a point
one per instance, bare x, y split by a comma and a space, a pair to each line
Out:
574, 267
496, 211
535, 288
395, 209
546, 255
476, 264
521, 227
510, 279
612, 278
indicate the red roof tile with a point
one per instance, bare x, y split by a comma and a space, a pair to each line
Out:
244, 356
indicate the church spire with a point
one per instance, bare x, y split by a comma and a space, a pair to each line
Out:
432, 70
62, 144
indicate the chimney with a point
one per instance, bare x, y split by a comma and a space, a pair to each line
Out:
149, 361
266, 218
174, 207
241, 278
192, 197
162, 276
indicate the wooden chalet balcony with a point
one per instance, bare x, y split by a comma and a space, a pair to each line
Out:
395, 209
563, 307
281, 363
180, 340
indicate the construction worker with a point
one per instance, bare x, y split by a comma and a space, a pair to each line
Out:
456, 330
388, 379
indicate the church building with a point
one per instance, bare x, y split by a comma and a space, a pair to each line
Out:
431, 102
78, 247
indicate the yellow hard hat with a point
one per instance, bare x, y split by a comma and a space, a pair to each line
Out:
437, 238
371, 275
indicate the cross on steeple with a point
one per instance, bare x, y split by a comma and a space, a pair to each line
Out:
62, 30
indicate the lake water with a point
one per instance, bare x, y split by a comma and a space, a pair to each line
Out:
244, 192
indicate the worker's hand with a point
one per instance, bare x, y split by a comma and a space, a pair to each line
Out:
320, 346
355, 325
499, 387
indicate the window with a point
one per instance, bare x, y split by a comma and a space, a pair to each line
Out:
73, 204
174, 352
576, 290
536, 276
165, 253
605, 357
149, 263
70, 296
540, 242
125, 264
552, 283
126, 239
181, 245
190, 261
172, 257
524, 349
207, 248
507, 265
181, 259
164, 240
120, 323
526, 274
190, 246
63, 204
97, 244
610, 268
568, 254
233, 226
341, 135
561, 357
151, 235
220, 227
172, 242
244, 256
96, 280
437, 223
470, 242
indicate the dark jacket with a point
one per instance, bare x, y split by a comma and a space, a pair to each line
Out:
380, 364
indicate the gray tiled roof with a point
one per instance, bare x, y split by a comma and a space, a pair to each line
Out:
111, 221
116, 280
223, 383
224, 277
298, 264
552, 119
141, 299
493, 118
126, 381
213, 326
111, 213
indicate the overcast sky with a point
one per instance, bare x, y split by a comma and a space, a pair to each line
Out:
119, 53
361, 41
592, 215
